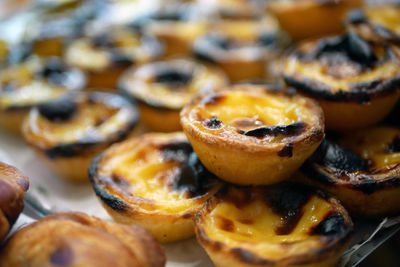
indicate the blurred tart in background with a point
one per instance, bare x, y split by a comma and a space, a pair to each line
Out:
31, 82
69, 132
162, 88
357, 82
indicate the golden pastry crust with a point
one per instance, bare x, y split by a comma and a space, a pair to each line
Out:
68, 133
362, 170
106, 54
155, 181
13, 184
77, 239
243, 49
32, 82
281, 225
271, 132
375, 23
163, 88
356, 82
307, 18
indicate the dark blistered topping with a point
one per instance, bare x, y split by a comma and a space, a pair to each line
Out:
267, 39
226, 224
249, 257
54, 70
173, 77
332, 226
286, 151
394, 147
346, 47
62, 256
356, 16
287, 201
213, 123
194, 178
335, 156
176, 151
58, 110
68, 150
119, 58
104, 40
295, 128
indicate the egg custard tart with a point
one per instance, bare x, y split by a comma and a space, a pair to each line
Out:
176, 25
376, 23
156, 181
3, 51
163, 88
243, 49
32, 82
13, 185
77, 239
286, 224
356, 82
107, 53
362, 169
307, 18
68, 133
251, 134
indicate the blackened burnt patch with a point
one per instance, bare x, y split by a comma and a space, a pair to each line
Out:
58, 110
338, 157
394, 147
173, 77
286, 151
194, 178
54, 70
351, 46
291, 129
176, 151
213, 123
103, 41
333, 225
287, 201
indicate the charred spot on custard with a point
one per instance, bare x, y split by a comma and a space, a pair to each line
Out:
59, 110
287, 201
349, 47
176, 151
104, 40
226, 224
332, 226
54, 70
247, 256
295, 128
286, 151
394, 147
213, 123
173, 78
338, 157
194, 178
120, 59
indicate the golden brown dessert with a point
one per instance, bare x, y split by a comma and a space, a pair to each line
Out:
107, 53
68, 133
3, 51
32, 82
13, 185
176, 25
155, 181
376, 23
243, 49
356, 82
307, 18
77, 239
163, 88
252, 134
362, 169
281, 225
